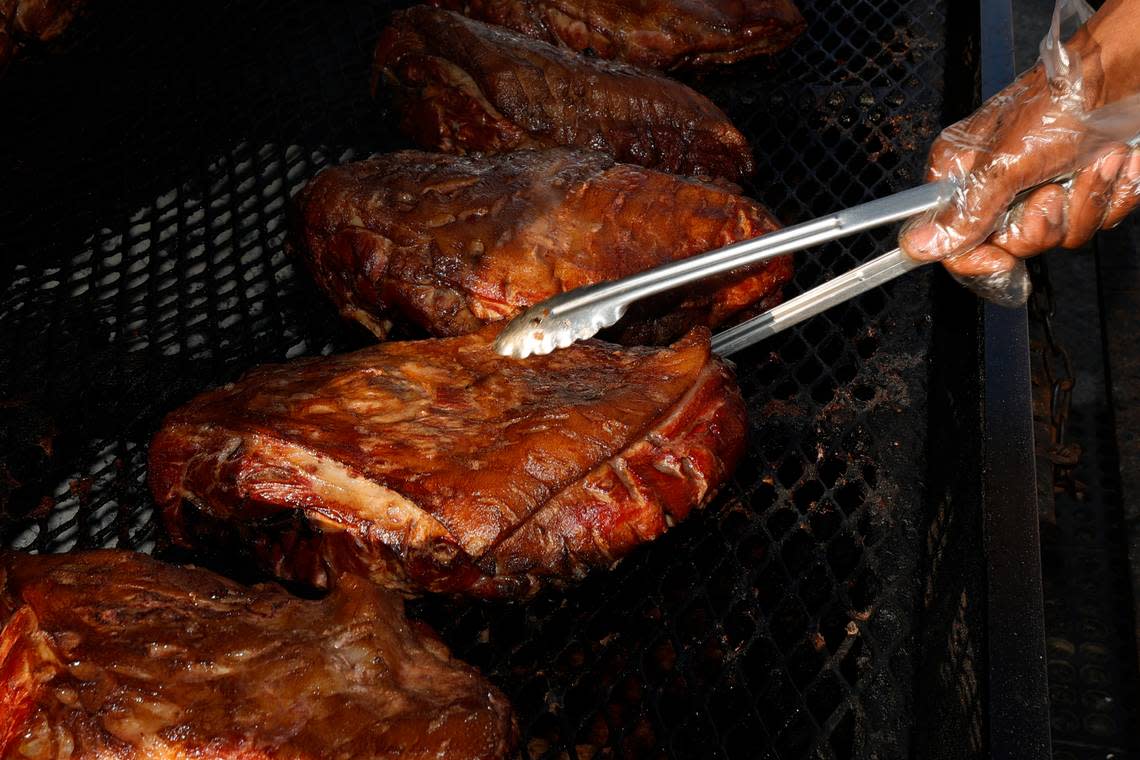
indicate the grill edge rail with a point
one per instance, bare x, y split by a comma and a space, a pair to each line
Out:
1019, 685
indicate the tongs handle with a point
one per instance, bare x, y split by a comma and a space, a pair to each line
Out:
876, 272
859, 280
893, 208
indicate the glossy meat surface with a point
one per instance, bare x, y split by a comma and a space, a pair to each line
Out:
454, 243
462, 85
438, 465
113, 654
25, 21
662, 34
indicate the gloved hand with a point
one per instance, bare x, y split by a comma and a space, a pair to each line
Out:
1052, 121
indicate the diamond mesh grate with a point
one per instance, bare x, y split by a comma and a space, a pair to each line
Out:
140, 234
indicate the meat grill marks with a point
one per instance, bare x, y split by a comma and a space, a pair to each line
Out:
462, 85
453, 244
662, 34
113, 654
438, 465
27, 21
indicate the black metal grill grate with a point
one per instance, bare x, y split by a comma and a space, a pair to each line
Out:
140, 233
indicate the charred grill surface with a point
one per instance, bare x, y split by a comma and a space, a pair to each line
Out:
785, 619
453, 244
439, 465
662, 34
113, 654
463, 86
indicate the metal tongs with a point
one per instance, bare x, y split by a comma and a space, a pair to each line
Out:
580, 313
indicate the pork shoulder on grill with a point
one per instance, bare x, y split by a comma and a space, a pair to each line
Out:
112, 654
454, 243
662, 34
462, 85
439, 465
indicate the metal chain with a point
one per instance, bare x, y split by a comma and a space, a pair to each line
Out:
1058, 379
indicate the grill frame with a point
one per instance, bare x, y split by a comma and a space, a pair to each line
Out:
1019, 709
1005, 669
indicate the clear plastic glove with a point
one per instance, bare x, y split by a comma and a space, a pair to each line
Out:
1053, 121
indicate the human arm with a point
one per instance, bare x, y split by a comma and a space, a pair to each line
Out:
1042, 126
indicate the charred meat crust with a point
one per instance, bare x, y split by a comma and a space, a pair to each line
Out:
452, 244
440, 466
114, 654
462, 86
666, 34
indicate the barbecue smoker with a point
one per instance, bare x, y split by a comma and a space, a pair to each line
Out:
868, 584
